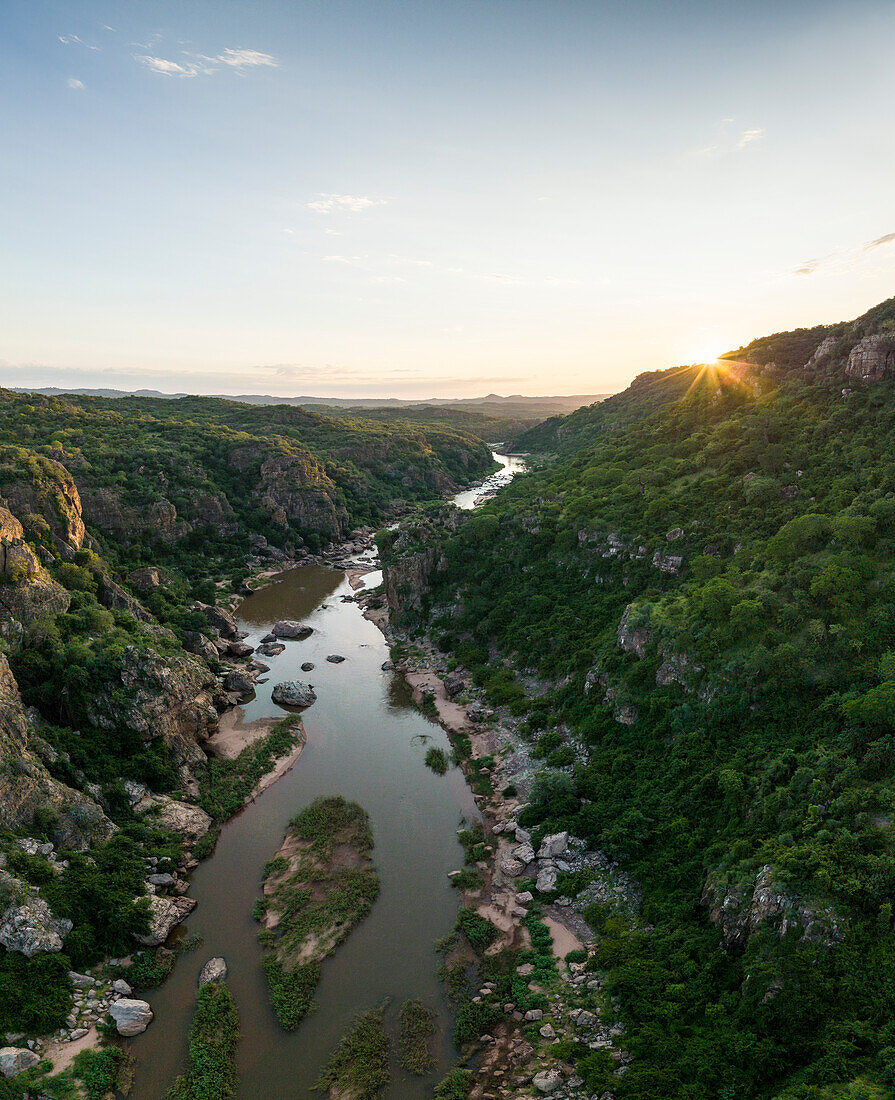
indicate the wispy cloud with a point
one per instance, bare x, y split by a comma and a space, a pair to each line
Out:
77, 85
729, 138
238, 61
328, 204
748, 136
843, 259
74, 40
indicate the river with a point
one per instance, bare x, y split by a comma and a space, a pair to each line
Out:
365, 740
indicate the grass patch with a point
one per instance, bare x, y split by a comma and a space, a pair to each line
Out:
214, 1037
416, 1026
455, 1086
321, 884
467, 879
224, 785
437, 760
358, 1067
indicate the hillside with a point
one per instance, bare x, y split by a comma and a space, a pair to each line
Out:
687, 625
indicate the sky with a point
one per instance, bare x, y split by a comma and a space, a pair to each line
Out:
421, 198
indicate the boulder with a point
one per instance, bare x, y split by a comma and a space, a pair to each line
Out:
547, 1081
121, 987
270, 649
454, 685
15, 1060
294, 693
215, 970
511, 867
546, 879
27, 923
218, 617
240, 681
667, 563
335, 658
524, 853
196, 642
308, 666
554, 845
240, 649
289, 628
164, 914
147, 578
632, 639
131, 1017
192, 822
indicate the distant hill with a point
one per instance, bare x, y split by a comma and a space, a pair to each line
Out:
535, 406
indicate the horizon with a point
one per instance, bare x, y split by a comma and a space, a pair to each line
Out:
345, 200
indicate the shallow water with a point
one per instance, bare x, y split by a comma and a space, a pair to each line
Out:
366, 741
510, 465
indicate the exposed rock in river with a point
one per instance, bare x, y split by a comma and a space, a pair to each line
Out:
294, 693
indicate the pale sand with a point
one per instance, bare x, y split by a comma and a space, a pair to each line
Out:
236, 734
563, 940
355, 577
63, 1054
451, 713
283, 765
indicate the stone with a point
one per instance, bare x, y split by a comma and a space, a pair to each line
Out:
554, 845
308, 666
131, 1017
475, 712
242, 681
533, 1014
217, 617
27, 924
524, 853
388, 666
454, 685
164, 914
335, 658
164, 879
632, 639
667, 563
240, 649
121, 986
271, 649
546, 879
294, 693
81, 981
524, 897
289, 628
190, 821
547, 1032
547, 1081
511, 867
15, 1060
268, 638
215, 970
194, 641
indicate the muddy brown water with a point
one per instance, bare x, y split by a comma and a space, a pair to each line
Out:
366, 741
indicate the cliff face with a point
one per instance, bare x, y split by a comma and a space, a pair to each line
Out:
27, 788
28, 595
33, 485
169, 697
872, 358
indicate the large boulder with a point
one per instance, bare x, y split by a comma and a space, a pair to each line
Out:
190, 821
557, 844
215, 970
164, 914
196, 642
15, 1060
294, 693
547, 1081
34, 485
218, 618
27, 923
289, 628
131, 1017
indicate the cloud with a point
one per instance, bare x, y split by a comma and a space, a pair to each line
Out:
74, 40
245, 59
843, 259
728, 139
748, 137
77, 85
328, 204
202, 65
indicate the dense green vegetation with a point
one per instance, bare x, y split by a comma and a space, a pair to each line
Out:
358, 1066
416, 1027
214, 1038
737, 729
317, 890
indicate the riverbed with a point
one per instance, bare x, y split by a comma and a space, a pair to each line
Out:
366, 741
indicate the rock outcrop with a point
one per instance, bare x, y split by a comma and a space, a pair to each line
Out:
28, 594
294, 489
165, 914
215, 970
633, 639
190, 821
15, 1060
291, 629
169, 697
872, 358
27, 923
33, 485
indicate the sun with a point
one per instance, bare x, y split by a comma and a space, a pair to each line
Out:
703, 353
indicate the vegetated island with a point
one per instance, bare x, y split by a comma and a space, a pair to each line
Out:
358, 1068
320, 885
214, 1037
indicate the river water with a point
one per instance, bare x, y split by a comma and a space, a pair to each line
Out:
366, 741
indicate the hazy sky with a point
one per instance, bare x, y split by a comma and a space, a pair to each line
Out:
448, 197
